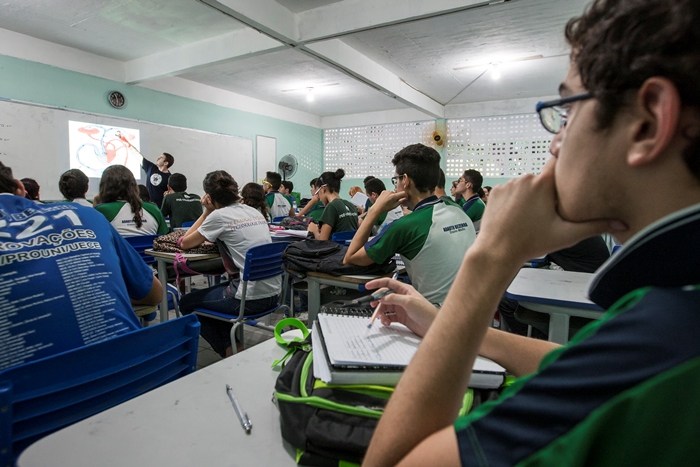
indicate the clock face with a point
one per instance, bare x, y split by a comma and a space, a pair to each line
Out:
116, 99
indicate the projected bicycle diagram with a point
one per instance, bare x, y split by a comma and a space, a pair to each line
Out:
94, 147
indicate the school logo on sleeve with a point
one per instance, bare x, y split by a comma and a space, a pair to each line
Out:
156, 179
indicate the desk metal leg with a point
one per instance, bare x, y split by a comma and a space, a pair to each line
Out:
314, 291
163, 276
559, 328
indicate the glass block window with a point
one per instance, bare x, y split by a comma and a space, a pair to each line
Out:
368, 150
498, 146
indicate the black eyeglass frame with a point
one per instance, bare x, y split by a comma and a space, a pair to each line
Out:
395, 179
540, 106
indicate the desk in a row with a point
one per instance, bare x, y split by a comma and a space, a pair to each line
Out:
162, 260
560, 294
187, 422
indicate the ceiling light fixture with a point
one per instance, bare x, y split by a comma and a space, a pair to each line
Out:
310, 95
491, 63
496, 71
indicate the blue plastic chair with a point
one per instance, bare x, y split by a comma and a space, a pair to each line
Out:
261, 262
187, 224
40, 397
141, 243
342, 237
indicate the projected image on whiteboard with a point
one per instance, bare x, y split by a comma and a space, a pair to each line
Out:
94, 147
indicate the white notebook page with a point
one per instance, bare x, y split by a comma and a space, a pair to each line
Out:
350, 342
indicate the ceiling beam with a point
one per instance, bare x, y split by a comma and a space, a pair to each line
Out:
342, 57
350, 16
266, 16
234, 45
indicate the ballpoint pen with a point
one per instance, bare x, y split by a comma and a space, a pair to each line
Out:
369, 298
242, 416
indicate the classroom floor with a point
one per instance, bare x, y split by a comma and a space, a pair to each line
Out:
207, 356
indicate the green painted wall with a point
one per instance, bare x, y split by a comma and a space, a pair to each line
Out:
47, 85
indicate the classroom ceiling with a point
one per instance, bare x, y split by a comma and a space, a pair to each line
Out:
352, 56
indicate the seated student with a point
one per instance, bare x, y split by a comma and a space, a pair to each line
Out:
628, 117
73, 185
122, 206
440, 190
469, 186
457, 197
586, 256
253, 195
240, 227
339, 215
431, 240
485, 197
313, 207
279, 205
178, 204
144, 195
32, 188
374, 187
286, 188
69, 279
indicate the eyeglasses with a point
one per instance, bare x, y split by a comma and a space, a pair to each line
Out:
553, 114
319, 189
395, 179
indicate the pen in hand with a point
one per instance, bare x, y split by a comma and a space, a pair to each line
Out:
376, 296
242, 416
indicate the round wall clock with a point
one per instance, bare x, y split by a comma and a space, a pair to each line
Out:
116, 99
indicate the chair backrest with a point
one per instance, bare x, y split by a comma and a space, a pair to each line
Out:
264, 261
141, 243
342, 237
40, 397
187, 224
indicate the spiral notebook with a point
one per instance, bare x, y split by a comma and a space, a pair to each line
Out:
347, 352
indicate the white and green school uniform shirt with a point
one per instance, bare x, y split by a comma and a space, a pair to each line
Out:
341, 215
278, 204
432, 241
119, 214
240, 227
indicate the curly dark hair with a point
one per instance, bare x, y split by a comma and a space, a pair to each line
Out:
421, 163
254, 196
331, 180
32, 187
73, 184
221, 187
617, 45
8, 184
118, 183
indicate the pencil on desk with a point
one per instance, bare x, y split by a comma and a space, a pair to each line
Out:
376, 310
374, 315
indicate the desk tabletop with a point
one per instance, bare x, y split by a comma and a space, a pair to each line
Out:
170, 257
553, 287
187, 422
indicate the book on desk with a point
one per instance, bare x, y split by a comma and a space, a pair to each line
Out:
346, 351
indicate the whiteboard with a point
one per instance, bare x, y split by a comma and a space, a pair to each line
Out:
34, 143
266, 155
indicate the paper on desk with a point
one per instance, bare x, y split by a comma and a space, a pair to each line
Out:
350, 342
359, 199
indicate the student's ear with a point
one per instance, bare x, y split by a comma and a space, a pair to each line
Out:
656, 114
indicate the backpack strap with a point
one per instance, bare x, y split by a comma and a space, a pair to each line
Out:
303, 343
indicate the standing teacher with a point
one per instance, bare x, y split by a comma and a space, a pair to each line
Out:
157, 176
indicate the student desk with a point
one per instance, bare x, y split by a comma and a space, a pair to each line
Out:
184, 423
163, 259
316, 279
560, 294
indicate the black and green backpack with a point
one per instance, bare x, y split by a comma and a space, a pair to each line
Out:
328, 424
